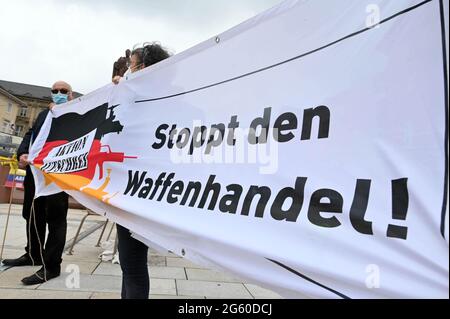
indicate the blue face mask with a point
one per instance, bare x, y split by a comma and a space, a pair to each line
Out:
60, 98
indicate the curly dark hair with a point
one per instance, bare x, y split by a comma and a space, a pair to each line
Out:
154, 53
138, 53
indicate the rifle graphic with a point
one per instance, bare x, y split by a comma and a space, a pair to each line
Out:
110, 156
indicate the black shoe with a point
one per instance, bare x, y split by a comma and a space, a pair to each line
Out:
24, 260
39, 277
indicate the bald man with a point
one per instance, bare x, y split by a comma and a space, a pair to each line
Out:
61, 93
46, 210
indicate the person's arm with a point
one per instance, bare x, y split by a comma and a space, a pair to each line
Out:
25, 144
22, 151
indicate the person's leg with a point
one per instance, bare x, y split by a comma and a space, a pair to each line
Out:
28, 194
34, 214
32, 255
56, 217
133, 261
36, 228
53, 210
123, 293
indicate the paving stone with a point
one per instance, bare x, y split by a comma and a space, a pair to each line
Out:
13, 252
94, 283
108, 268
11, 278
181, 262
162, 286
85, 267
209, 275
42, 294
153, 252
83, 253
261, 293
167, 272
105, 295
157, 261
212, 289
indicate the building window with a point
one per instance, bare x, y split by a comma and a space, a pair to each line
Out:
9, 107
19, 129
5, 126
23, 111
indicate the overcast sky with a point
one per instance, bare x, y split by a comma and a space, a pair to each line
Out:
78, 41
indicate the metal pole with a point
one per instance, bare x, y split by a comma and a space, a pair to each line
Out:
9, 213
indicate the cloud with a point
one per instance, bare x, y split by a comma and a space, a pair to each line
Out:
78, 41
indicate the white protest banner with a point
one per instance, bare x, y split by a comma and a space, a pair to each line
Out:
303, 150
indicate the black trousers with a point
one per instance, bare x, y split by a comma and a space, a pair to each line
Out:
133, 261
48, 210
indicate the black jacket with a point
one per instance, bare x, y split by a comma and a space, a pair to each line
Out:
32, 133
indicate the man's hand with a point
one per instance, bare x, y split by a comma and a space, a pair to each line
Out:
51, 106
23, 161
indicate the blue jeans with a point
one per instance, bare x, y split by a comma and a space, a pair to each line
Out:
133, 261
